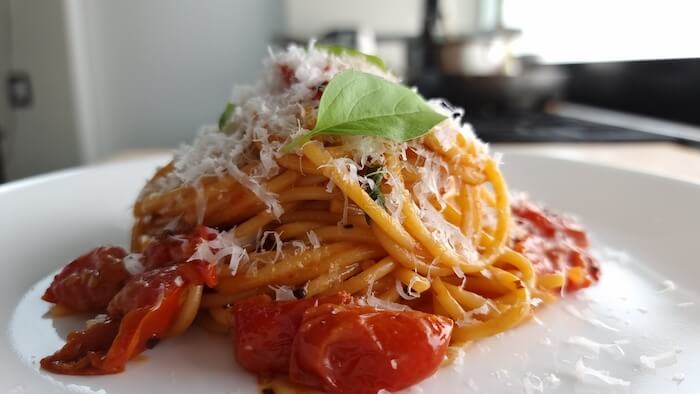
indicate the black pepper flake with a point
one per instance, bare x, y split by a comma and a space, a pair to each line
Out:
299, 293
348, 225
152, 342
268, 390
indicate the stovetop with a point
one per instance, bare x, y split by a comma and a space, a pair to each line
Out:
544, 127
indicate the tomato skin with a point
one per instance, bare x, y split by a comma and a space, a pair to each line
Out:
264, 330
357, 349
88, 283
143, 310
174, 249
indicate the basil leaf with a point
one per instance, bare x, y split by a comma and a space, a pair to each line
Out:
226, 115
377, 176
340, 50
357, 103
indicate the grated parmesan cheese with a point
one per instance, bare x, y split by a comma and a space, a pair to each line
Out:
667, 286
594, 348
658, 361
678, 378
376, 302
133, 264
592, 321
596, 377
313, 239
407, 294
532, 384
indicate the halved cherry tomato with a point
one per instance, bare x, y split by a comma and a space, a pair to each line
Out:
264, 330
359, 349
144, 311
89, 282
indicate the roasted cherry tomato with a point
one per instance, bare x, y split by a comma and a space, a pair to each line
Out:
143, 311
359, 349
264, 330
554, 243
175, 249
89, 282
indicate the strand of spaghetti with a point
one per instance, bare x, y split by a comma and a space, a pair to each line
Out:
211, 300
505, 278
251, 226
338, 234
366, 277
466, 207
411, 279
551, 281
450, 213
299, 269
545, 295
390, 295
484, 286
211, 325
322, 159
417, 229
184, 195
296, 230
192, 298
517, 260
505, 321
485, 239
221, 316
406, 258
168, 202
470, 205
310, 216
312, 180
326, 281
249, 204
445, 299
459, 161
465, 298
487, 196
298, 164
270, 273
306, 193
502, 209
318, 205
337, 205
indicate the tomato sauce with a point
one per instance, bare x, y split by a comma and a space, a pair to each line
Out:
554, 243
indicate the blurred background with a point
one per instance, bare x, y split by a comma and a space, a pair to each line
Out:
88, 80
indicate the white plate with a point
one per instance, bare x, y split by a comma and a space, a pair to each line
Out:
645, 228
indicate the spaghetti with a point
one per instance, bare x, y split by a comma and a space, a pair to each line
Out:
424, 224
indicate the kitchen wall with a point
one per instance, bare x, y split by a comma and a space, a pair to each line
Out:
43, 136
156, 70
113, 76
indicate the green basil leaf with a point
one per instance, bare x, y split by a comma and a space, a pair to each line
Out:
340, 50
226, 115
357, 103
377, 175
